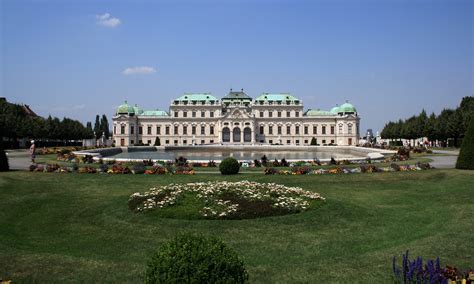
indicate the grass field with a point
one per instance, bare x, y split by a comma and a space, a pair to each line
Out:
77, 228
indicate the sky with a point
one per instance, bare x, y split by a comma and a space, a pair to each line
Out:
389, 58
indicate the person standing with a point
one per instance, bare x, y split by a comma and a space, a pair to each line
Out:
33, 151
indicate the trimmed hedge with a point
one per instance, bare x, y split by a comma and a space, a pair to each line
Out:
3, 159
195, 259
466, 154
229, 166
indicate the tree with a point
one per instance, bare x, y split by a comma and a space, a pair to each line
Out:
429, 129
157, 141
97, 128
466, 154
313, 141
104, 126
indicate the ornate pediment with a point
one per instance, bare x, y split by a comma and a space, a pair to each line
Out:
237, 113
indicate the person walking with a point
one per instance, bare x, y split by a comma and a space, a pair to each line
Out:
33, 151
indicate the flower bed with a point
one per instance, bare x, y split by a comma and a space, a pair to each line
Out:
364, 168
228, 200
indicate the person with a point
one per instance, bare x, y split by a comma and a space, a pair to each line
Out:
33, 151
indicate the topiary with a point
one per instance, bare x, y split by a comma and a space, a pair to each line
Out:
195, 259
466, 154
229, 166
3, 159
157, 141
313, 142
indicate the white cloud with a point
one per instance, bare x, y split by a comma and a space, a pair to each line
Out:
139, 70
107, 21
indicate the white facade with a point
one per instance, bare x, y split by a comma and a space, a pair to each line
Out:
195, 119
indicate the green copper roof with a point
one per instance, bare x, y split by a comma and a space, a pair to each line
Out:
137, 110
318, 112
335, 110
154, 113
237, 96
276, 97
125, 108
197, 97
347, 107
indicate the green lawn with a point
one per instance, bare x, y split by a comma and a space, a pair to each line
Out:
77, 228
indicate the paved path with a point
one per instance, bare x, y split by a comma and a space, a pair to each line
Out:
18, 159
444, 162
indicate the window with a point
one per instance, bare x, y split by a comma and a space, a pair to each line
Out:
261, 114
203, 113
212, 129
175, 130
297, 142
158, 130
288, 129
332, 129
132, 142
149, 130
297, 130
132, 130
202, 142
315, 129
193, 114
305, 141
261, 130
270, 114
270, 130
279, 114
140, 142
185, 130
332, 141
140, 130
324, 129
297, 114
122, 129
148, 142
203, 130
167, 141
185, 114
175, 114
287, 114
175, 142
279, 130
270, 141
115, 129
211, 141
349, 128
193, 130
167, 130
288, 142
211, 114
306, 129
324, 142
340, 128
185, 142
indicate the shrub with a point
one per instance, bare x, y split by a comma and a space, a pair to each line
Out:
195, 259
211, 164
181, 161
466, 154
270, 171
229, 166
157, 141
3, 159
313, 142
257, 163
276, 163
284, 163
264, 160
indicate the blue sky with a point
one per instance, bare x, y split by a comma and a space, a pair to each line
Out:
389, 58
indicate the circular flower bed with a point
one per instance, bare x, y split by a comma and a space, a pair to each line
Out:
228, 200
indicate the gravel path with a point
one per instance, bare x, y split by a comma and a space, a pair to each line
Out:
444, 162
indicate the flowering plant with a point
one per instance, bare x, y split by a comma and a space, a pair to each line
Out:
243, 199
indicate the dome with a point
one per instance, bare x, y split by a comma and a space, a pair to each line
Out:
334, 110
125, 109
347, 107
137, 110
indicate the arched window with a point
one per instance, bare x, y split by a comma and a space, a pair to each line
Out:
236, 136
226, 134
247, 134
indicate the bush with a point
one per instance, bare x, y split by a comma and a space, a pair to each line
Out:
229, 166
466, 154
3, 159
313, 142
195, 259
157, 141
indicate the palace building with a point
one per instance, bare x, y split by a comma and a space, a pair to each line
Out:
237, 119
